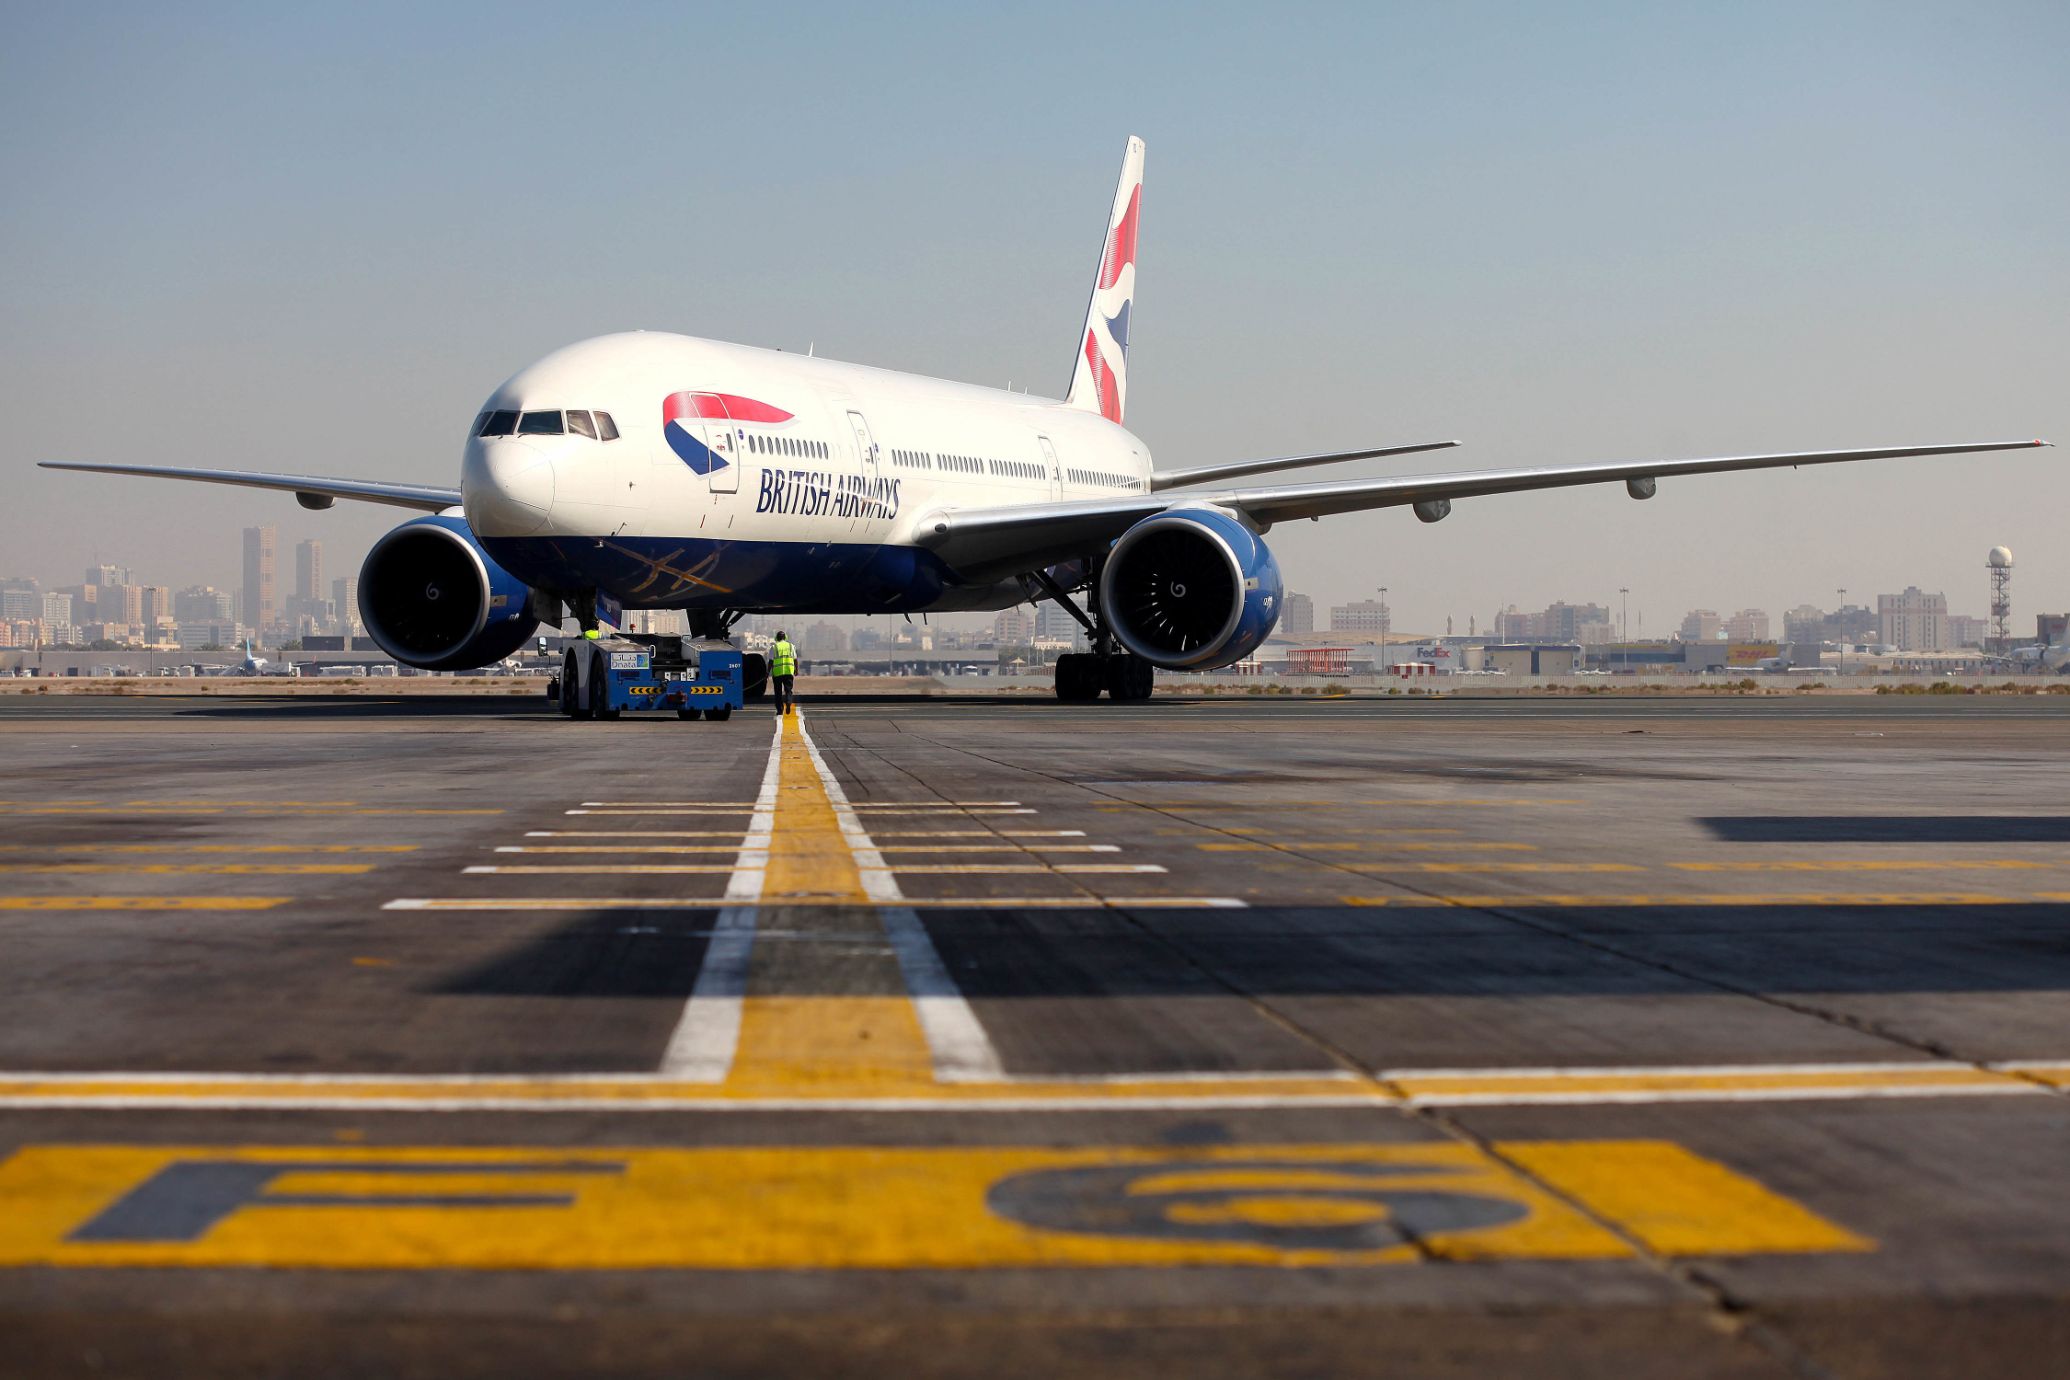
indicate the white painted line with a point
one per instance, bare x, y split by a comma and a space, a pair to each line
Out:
672, 848
320, 1102
706, 804
929, 804
1642, 1097
701, 1048
707, 1035
596, 869
1679, 1070
634, 833
979, 834
954, 1035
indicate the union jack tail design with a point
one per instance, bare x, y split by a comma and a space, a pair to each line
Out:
1099, 376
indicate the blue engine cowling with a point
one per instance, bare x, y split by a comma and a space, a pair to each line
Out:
431, 597
1190, 589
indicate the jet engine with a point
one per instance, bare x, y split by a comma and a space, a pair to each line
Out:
1190, 589
431, 597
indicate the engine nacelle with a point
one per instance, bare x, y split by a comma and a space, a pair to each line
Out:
1190, 589
431, 597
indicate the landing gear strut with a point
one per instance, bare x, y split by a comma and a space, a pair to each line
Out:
1081, 676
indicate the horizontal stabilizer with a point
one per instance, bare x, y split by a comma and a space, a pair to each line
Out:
1236, 469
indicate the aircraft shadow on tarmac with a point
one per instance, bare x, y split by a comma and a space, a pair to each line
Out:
1512, 952
1890, 828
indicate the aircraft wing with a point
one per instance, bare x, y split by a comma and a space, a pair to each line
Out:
311, 491
991, 543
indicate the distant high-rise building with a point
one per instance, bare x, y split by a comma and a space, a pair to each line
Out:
1968, 630
1913, 621
1804, 624
57, 607
309, 570
1748, 625
22, 601
1014, 627
1700, 625
824, 639
107, 575
1297, 615
345, 602
1054, 623
262, 576
1362, 616
204, 604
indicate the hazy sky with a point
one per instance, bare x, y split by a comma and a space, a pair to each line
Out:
314, 238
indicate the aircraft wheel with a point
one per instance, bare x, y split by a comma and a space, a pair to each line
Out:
1078, 678
1129, 677
689, 713
754, 676
718, 716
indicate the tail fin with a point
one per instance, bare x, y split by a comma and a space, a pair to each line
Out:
1099, 378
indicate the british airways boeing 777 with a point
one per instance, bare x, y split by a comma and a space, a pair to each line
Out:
657, 471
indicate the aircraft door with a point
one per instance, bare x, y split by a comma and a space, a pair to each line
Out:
725, 448
1056, 470
865, 446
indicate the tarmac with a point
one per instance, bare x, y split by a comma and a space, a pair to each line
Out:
930, 1037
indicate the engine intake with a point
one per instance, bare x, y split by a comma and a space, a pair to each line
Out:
431, 598
1190, 589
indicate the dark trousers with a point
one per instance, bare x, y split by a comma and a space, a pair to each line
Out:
785, 698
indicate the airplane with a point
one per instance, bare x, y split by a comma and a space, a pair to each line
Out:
2044, 656
649, 470
252, 665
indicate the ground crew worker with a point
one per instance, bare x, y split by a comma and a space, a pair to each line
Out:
783, 664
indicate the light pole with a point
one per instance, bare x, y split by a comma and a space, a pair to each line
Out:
1624, 625
1383, 630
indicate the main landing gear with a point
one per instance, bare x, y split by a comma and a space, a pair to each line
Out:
1081, 676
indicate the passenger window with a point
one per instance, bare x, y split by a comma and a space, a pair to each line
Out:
607, 430
580, 425
498, 424
540, 424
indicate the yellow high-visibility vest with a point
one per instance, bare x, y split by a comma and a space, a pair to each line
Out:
783, 659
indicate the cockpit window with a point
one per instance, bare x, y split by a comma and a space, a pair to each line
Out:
580, 425
497, 424
607, 430
540, 424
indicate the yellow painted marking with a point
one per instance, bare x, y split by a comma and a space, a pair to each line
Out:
326, 848
196, 869
1507, 1087
142, 902
735, 848
1870, 865
1493, 867
1193, 831
854, 1207
1012, 869
977, 834
787, 1043
1340, 846
1262, 805
597, 869
1776, 898
1679, 1203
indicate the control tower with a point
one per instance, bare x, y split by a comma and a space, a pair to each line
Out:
1999, 565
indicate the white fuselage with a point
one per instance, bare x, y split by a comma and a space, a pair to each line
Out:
752, 478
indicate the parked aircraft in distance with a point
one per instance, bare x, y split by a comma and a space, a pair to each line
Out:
657, 471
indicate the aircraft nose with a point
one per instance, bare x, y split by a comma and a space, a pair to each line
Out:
507, 487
